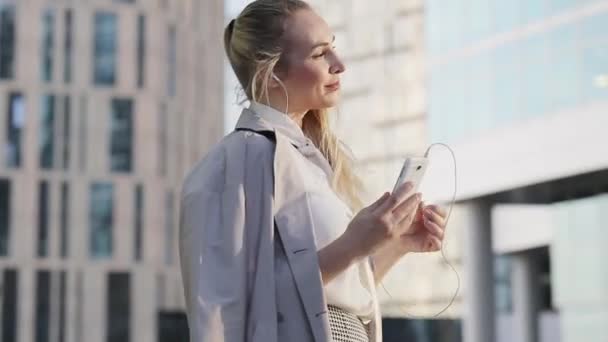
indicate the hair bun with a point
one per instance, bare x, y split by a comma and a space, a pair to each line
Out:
231, 25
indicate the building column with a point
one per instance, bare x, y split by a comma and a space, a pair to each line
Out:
479, 308
525, 296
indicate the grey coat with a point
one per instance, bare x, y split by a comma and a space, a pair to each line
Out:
243, 279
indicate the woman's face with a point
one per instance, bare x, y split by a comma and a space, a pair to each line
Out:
312, 75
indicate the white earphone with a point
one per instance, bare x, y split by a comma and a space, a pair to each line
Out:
284, 89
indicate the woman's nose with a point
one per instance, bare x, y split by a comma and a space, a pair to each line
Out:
337, 66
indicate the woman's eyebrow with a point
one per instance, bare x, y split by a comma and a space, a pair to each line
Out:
323, 43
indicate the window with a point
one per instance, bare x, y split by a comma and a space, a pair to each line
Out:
121, 135
172, 326
101, 216
64, 220
5, 217
9, 294
48, 22
119, 307
43, 219
67, 47
43, 306
139, 220
47, 131
7, 41
141, 50
104, 54
66, 134
14, 129
171, 61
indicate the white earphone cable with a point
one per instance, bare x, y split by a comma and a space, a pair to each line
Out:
443, 244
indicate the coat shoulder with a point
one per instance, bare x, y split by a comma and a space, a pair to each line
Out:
228, 161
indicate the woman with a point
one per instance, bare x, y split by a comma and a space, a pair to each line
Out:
269, 247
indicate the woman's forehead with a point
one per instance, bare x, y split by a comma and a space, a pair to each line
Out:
304, 29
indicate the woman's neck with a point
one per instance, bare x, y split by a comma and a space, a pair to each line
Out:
296, 116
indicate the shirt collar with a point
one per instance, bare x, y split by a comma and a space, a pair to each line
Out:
281, 122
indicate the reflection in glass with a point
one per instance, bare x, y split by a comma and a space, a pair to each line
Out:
104, 52
101, 217
14, 129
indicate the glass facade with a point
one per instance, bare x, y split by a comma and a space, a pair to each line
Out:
105, 48
540, 73
7, 41
121, 135
101, 220
47, 132
15, 121
5, 216
48, 32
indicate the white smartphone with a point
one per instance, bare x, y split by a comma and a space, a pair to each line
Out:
412, 171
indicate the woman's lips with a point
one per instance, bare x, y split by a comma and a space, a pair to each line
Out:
333, 86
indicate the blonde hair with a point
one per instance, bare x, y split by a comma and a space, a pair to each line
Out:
253, 44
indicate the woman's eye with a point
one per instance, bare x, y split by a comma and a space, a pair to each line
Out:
319, 55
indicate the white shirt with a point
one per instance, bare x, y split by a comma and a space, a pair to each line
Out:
350, 290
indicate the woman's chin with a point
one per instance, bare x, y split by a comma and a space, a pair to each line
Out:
331, 100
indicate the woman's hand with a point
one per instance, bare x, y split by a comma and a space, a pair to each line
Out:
426, 232
387, 219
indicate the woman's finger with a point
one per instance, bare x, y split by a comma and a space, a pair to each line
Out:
407, 209
379, 201
434, 229
395, 199
437, 209
433, 216
433, 244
